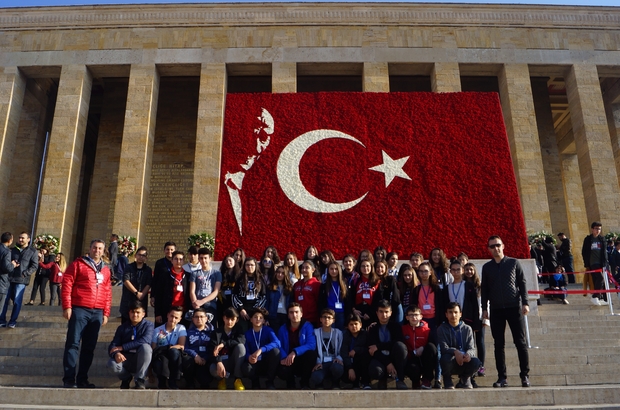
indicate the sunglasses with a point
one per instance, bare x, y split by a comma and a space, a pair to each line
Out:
495, 245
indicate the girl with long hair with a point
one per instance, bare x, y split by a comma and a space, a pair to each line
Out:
470, 274
306, 293
291, 267
325, 258
249, 292
407, 283
272, 253
362, 293
388, 290
439, 262
229, 271
348, 269
333, 294
239, 256
312, 254
57, 268
279, 292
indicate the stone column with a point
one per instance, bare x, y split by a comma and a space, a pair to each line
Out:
376, 78
12, 89
550, 155
446, 78
134, 171
207, 159
520, 118
612, 110
578, 224
100, 213
592, 141
283, 77
64, 157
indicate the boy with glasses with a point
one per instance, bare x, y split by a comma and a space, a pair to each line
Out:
195, 361
421, 354
328, 343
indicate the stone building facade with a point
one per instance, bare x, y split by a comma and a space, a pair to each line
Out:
111, 116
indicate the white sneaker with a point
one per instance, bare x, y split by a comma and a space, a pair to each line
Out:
603, 302
595, 302
565, 302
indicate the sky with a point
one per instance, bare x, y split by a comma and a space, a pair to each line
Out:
28, 3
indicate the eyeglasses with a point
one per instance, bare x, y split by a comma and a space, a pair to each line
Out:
327, 317
495, 245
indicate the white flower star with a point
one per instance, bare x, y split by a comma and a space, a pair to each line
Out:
391, 168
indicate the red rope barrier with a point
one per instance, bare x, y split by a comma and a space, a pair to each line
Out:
570, 292
570, 273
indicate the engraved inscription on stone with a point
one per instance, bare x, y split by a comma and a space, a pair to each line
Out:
169, 205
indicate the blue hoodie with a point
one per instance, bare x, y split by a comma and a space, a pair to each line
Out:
306, 339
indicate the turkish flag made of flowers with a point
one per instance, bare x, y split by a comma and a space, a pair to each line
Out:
351, 171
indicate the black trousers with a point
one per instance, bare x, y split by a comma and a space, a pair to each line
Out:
195, 373
266, 367
398, 357
167, 362
302, 367
423, 365
514, 318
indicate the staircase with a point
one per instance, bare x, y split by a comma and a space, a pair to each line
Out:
574, 367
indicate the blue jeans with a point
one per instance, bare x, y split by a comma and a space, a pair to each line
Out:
16, 293
84, 325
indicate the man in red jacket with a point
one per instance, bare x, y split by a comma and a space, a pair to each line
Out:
86, 303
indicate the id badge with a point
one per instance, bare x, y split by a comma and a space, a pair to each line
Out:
202, 348
280, 305
59, 274
301, 297
99, 278
224, 357
338, 305
426, 307
366, 295
228, 292
250, 297
179, 288
327, 359
385, 352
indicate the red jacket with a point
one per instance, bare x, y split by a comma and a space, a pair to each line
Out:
306, 293
55, 273
80, 288
416, 337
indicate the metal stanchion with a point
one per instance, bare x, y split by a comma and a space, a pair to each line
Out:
609, 298
527, 334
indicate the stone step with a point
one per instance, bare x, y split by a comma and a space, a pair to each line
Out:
510, 397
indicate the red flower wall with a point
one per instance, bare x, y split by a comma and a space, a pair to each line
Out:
461, 189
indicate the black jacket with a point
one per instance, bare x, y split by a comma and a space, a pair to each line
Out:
28, 259
6, 268
396, 335
360, 346
503, 284
219, 337
587, 248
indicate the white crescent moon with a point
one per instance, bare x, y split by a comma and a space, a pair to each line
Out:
288, 172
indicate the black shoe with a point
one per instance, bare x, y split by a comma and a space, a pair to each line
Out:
501, 383
270, 386
85, 385
139, 384
162, 383
172, 384
473, 383
525, 382
437, 385
125, 384
69, 385
382, 385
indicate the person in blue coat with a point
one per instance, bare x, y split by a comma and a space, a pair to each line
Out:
262, 351
298, 348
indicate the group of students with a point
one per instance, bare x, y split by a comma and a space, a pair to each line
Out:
319, 357
365, 320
